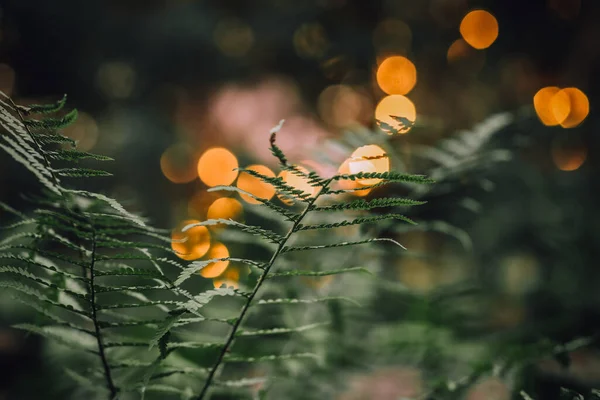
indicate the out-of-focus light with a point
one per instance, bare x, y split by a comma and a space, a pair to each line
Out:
196, 244
230, 278
7, 78
212, 270
520, 273
198, 204
298, 182
370, 158
417, 274
579, 107
568, 157
341, 106
567, 9
310, 41
217, 166
392, 35
398, 106
225, 208
459, 49
541, 103
116, 79
396, 75
233, 37
84, 131
351, 185
479, 28
567, 107
178, 163
254, 185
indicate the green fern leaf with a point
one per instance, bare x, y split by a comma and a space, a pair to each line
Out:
53, 123
75, 155
342, 244
301, 272
81, 172
254, 230
288, 215
275, 357
44, 108
357, 221
361, 204
281, 331
64, 336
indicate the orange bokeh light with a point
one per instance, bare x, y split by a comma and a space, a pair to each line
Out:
541, 103
298, 182
579, 107
217, 166
479, 28
196, 244
225, 208
568, 158
397, 75
567, 107
458, 49
359, 162
212, 270
254, 185
178, 163
396, 105
348, 184
230, 278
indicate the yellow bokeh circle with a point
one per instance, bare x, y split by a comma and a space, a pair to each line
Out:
254, 185
217, 166
479, 28
396, 75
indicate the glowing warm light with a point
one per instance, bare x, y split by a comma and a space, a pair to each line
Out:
417, 274
479, 28
225, 208
396, 105
198, 204
178, 163
520, 273
568, 158
458, 49
579, 107
370, 158
348, 184
233, 37
196, 244
84, 131
298, 182
541, 103
560, 105
254, 185
310, 41
217, 167
230, 278
397, 75
212, 270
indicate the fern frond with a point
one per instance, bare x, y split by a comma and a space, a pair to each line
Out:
81, 172
389, 177
63, 336
357, 221
53, 123
274, 357
290, 249
301, 272
361, 204
51, 108
75, 155
254, 230
307, 301
112, 203
288, 215
197, 266
281, 331
277, 152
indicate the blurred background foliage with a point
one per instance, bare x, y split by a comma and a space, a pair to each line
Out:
181, 91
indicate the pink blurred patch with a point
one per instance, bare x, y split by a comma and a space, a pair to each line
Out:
244, 115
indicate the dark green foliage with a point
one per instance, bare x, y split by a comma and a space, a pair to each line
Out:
106, 283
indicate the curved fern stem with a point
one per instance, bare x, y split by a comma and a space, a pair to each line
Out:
261, 279
92, 292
